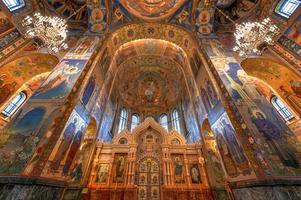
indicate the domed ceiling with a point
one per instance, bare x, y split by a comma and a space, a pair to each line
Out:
152, 9
150, 84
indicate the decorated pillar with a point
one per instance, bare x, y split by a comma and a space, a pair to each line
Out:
53, 105
254, 141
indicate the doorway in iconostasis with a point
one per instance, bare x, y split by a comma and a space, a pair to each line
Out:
148, 183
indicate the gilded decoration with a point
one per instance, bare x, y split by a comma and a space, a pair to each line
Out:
150, 83
149, 165
152, 9
170, 33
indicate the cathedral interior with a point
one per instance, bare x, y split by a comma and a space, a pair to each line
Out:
149, 100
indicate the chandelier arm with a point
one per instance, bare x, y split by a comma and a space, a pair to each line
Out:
74, 13
220, 11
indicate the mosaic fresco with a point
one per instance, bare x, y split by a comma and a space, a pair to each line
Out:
17, 72
151, 57
105, 131
208, 109
59, 82
291, 39
102, 174
155, 81
5, 24
281, 79
22, 133
119, 168
152, 9
235, 9
170, 33
66, 9
262, 118
10, 38
231, 151
214, 164
178, 170
98, 17
62, 159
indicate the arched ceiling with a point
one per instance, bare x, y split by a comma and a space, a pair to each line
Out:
152, 9
100, 16
150, 77
149, 83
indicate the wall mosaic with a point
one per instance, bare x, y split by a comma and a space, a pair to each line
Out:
279, 77
61, 161
22, 133
291, 39
10, 37
258, 113
17, 72
37, 144
97, 16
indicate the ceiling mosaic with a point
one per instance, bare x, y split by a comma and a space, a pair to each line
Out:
150, 47
68, 7
166, 32
152, 9
201, 16
235, 9
150, 84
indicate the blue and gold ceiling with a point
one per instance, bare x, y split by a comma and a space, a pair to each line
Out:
99, 16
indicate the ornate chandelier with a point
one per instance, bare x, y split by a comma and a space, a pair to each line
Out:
51, 32
253, 37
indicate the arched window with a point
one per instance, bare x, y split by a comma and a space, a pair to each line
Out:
286, 8
14, 104
164, 121
176, 120
122, 120
135, 121
281, 108
13, 5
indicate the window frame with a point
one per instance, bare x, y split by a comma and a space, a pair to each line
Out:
164, 124
133, 126
284, 111
14, 104
176, 120
284, 4
123, 118
14, 6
